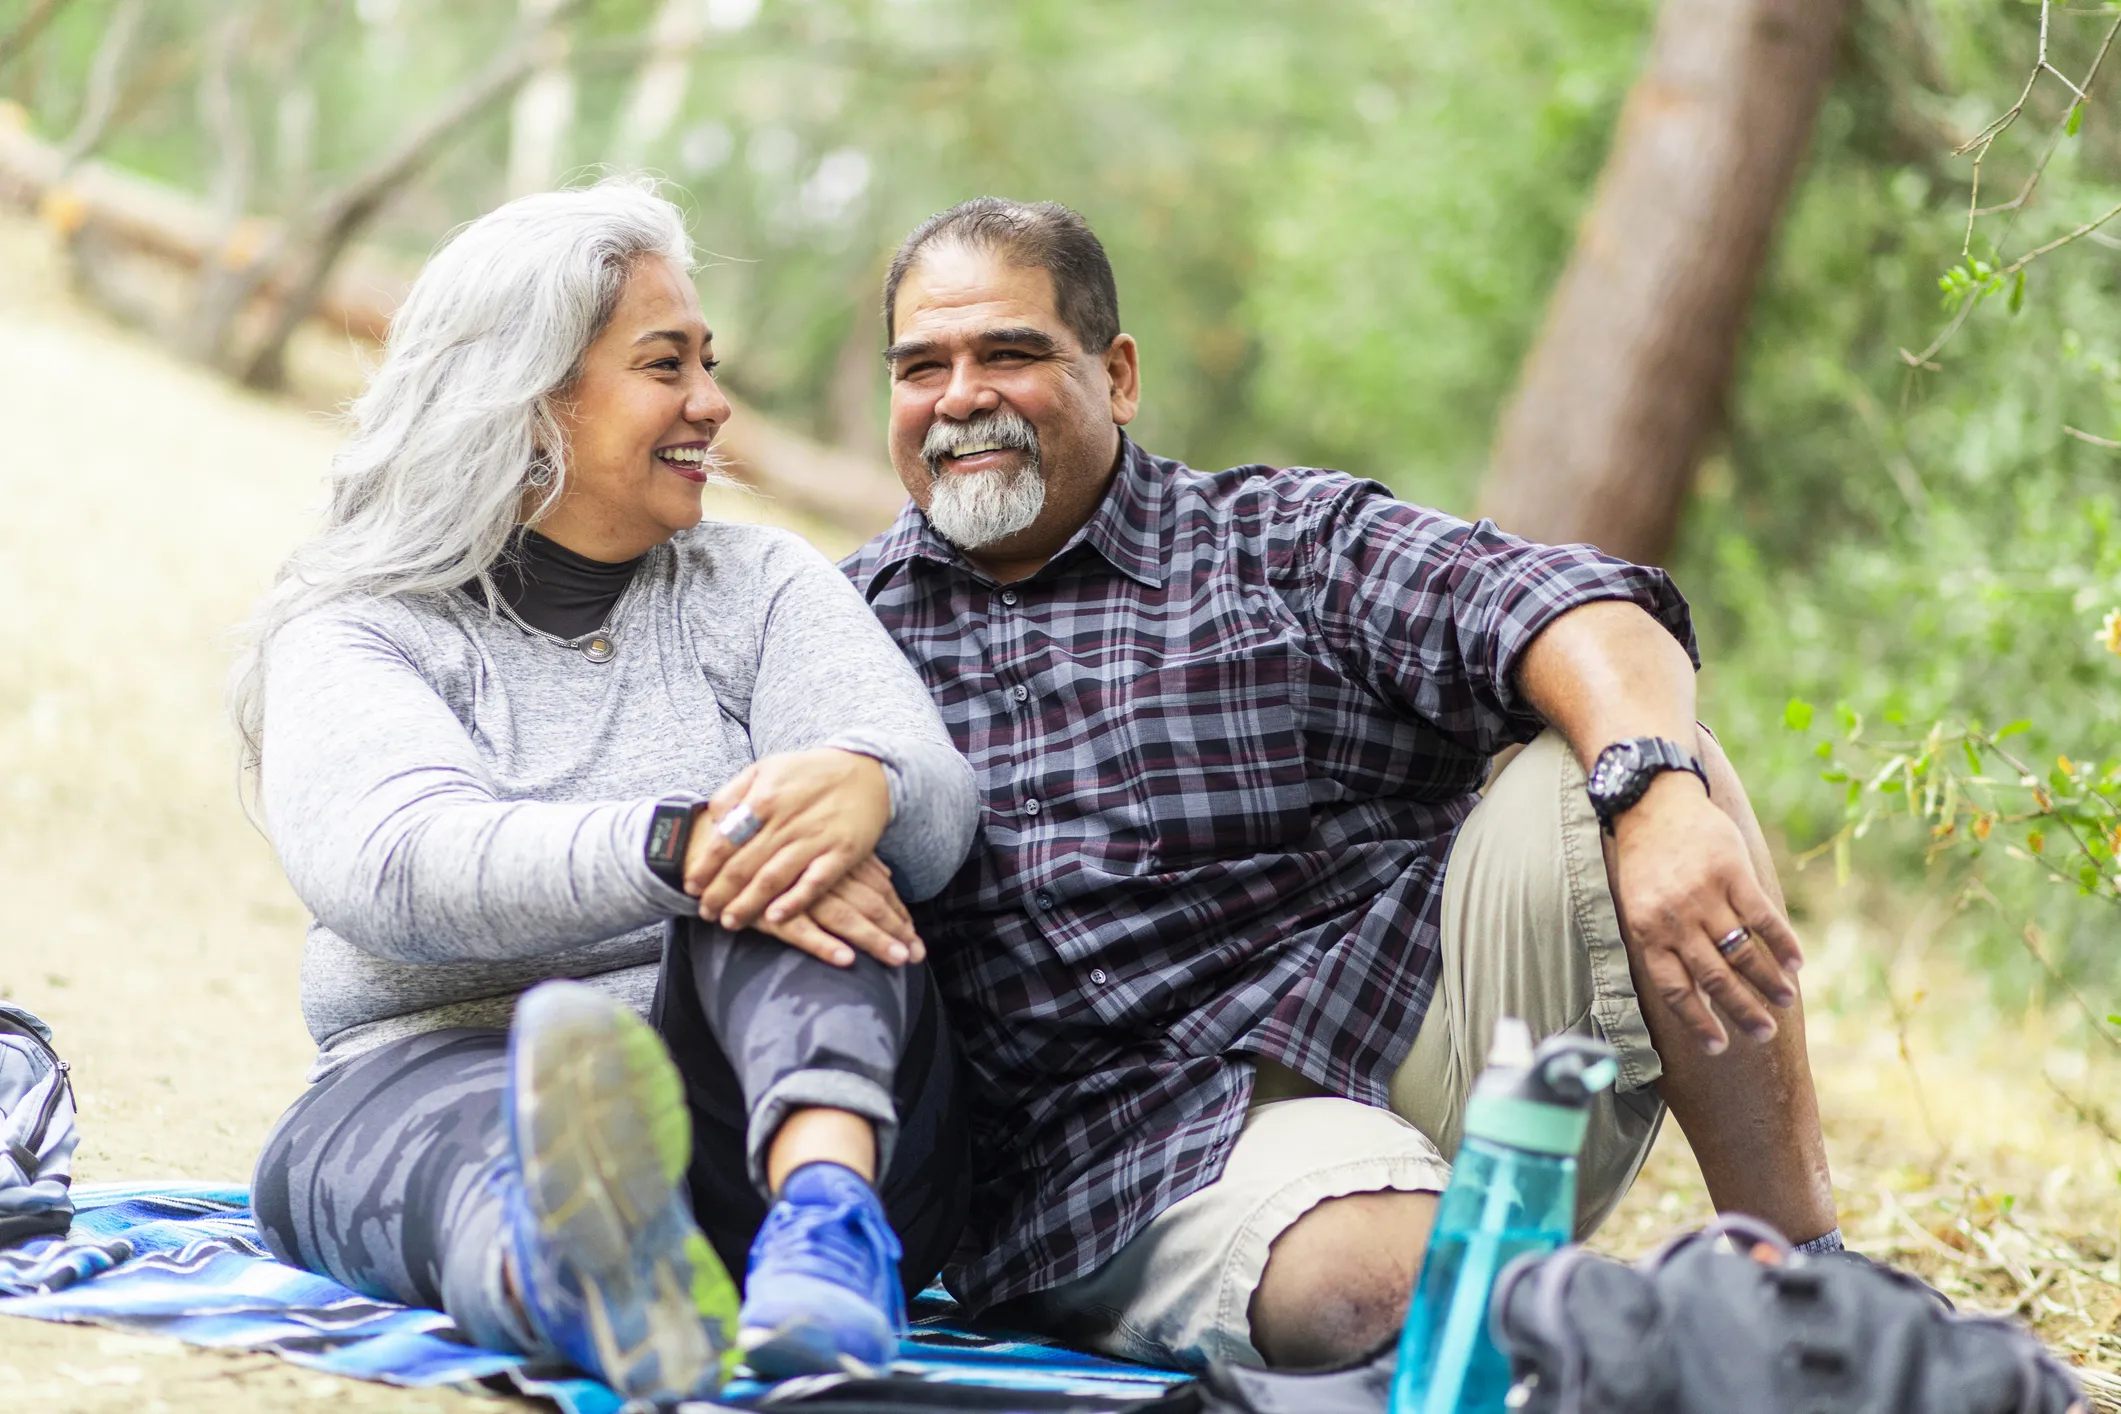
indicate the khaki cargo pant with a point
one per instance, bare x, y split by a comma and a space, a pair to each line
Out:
1529, 930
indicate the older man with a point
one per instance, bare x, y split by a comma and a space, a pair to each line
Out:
1228, 956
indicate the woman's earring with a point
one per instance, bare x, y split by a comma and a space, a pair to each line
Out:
540, 473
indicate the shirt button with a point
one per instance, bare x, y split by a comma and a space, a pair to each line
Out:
1031, 806
1097, 975
1044, 900
1009, 597
1021, 693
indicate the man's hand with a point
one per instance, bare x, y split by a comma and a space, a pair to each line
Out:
861, 911
1682, 882
820, 814
1605, 672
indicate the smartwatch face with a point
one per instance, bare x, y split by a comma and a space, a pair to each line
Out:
663, 836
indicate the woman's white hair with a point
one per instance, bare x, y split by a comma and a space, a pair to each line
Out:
460, 419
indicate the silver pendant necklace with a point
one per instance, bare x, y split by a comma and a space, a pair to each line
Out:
599, 646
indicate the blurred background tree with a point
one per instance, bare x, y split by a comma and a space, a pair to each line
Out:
1337, 226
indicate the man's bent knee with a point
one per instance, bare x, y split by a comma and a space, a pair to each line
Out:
1337, 1281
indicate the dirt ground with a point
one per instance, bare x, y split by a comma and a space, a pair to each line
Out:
144, 503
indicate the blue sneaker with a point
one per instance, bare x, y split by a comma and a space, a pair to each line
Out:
823, 1292
608, 1264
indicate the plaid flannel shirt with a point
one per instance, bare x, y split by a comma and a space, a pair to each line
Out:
1224, 740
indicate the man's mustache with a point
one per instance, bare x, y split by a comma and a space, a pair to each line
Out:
999, 430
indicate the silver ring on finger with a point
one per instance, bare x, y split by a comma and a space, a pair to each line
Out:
1735, 939
739, 825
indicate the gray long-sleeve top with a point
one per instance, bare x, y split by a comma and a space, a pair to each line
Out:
462, 805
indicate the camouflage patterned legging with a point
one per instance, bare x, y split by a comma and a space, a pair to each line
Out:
379, 1175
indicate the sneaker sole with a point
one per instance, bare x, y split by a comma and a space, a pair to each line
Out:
594, 1092
794, 1350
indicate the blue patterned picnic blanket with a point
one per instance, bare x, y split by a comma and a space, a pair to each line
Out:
185, 1260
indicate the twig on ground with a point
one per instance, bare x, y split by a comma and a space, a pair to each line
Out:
1903, 1015
1925, 1239
2028, 1283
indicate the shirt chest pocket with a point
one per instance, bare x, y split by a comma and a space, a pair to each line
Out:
1215, 759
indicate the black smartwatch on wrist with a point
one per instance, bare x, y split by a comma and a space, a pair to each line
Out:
669, 835
1625, 770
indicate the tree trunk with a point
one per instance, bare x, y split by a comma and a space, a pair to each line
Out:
1628, 376
543, 113
221, 290
304, 266
105, 73
658, 94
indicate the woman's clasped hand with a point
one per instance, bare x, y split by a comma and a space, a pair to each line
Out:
788, 847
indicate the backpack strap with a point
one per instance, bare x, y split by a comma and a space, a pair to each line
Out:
1734, 1226
1552, 1274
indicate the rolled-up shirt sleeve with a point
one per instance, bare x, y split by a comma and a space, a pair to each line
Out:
1434, 613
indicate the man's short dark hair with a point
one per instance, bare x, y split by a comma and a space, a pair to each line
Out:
1036, 235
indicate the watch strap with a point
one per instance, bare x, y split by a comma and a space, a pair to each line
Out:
1651, 757
669, 836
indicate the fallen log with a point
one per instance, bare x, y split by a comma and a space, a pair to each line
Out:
147, 217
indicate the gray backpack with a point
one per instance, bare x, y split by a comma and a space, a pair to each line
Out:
1694, 1328
1697, 1329
37, 1132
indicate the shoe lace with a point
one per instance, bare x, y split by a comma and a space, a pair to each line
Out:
830, 1238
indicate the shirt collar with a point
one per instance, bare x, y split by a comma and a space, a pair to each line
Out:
1126, 529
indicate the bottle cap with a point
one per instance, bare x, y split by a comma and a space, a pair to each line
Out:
1511, 1048
1539, 1099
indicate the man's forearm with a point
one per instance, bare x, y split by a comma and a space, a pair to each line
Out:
1607, 671
1689, 900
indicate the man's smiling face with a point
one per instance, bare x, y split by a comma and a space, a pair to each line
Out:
987, 381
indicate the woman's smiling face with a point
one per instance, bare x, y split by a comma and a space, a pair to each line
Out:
638, 421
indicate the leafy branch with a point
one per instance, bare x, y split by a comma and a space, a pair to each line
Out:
1976, 794
1971, 281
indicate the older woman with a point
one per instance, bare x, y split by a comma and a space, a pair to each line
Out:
519, 716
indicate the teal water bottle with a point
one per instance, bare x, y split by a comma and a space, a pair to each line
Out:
1512, 1191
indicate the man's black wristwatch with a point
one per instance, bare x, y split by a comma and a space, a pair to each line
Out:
1625, 770
669, 835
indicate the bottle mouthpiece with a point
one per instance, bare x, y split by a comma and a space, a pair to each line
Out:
1511, 1049
1538, 1099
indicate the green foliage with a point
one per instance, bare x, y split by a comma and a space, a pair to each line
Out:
1404, 268
1335, 224
1973, 794
1922, 539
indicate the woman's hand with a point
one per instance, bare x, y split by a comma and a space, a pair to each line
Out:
860, 911
819, 814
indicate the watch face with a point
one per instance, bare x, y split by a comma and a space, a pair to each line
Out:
1615, 764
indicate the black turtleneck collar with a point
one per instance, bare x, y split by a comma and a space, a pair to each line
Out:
552, 588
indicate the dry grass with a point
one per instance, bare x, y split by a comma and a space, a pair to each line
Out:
146, 504
1969, 1145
